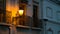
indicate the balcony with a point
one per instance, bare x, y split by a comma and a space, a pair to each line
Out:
24, 25
26, 22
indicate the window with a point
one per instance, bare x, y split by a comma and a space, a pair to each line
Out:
49, 12
35, 16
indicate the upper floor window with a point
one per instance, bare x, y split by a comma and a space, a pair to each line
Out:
49, 12
36, 22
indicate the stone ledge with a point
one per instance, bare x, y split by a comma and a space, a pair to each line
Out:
21, 26
28, 27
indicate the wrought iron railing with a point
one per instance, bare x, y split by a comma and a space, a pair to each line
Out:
24, 20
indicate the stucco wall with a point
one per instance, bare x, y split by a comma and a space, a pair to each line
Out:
54, 8
27, 31
51, 24
20, 30
54, 27
4, 30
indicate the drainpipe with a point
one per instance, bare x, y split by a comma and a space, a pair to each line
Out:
44, 25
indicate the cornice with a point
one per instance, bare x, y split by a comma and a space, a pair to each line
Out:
54, 22
56, 1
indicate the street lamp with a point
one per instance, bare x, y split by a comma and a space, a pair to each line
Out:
21, 12
44, 25
18, 16
15, 21
20, 19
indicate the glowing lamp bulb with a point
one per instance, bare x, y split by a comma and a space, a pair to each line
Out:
21, 12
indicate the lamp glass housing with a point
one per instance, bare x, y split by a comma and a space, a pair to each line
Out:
21, 12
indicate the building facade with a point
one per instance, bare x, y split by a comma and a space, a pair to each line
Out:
39, 17
16, 24
51, 10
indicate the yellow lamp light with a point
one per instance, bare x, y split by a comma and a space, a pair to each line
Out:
21, 12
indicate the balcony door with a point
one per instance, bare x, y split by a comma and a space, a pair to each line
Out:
35, 15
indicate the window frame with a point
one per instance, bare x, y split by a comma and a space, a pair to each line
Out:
51, 10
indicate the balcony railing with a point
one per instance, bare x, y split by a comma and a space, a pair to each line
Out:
25, 20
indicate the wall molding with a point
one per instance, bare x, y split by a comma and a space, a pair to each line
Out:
58, 15
54, 22
49, 12
49, 31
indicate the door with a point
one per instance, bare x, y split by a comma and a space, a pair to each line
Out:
35, 15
